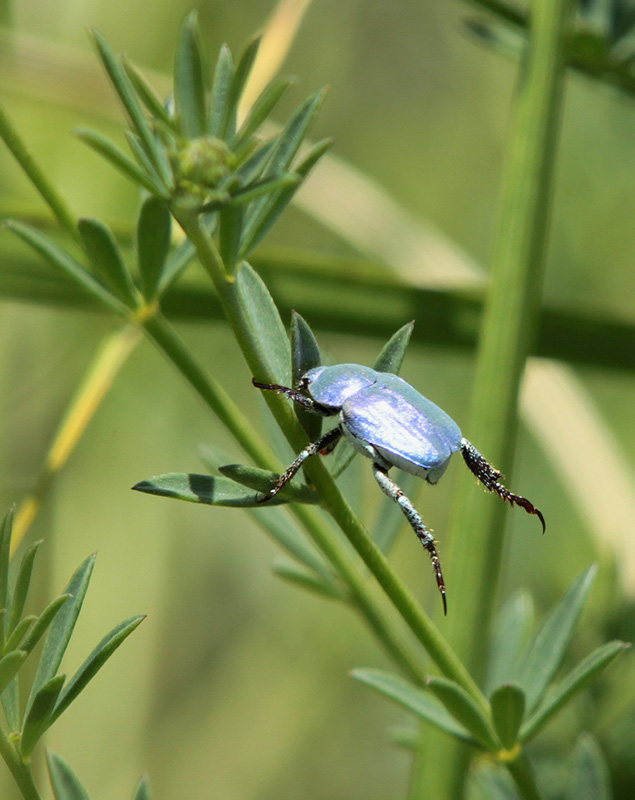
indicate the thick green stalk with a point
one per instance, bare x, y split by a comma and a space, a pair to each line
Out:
419, 623
20, 771
508, 330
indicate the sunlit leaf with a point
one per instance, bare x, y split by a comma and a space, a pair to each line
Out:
205, 489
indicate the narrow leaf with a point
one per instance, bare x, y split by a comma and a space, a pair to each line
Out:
508, 708
38, 718
287, 146
245, 63
43, 622
62, 627
264, 213
393, 352
147, 94
305, 355
6, 528
550, 644
19, 632
260, 110
267, 186
65, 783
461, 706
190, 73
511, 634
264, 327
128, 97
11, 703
135, 144
589, 778
143, 790
221, 88
94, 663
262, 480
205, 489
153, 244
105, 255
102, 145
415, 700
251, 169
23, 581
9, 666
305, 579
62, 261
575, 682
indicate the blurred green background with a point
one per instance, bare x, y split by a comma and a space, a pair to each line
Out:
236, 685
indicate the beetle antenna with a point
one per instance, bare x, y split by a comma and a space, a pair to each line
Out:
490, 478
297, 397
392, 490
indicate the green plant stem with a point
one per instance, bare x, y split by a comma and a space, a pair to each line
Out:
46, 188
419, 623
520, 770
21, 772
509, 327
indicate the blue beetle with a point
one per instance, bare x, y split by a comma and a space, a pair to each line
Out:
387, 420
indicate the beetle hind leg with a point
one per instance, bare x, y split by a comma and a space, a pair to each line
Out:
323, 443
490, 478
392, 490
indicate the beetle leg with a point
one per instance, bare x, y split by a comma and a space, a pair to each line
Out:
392, 490
324, 442
489, 477
307, 402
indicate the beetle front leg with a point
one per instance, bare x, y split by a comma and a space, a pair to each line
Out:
323, 443
392, 490
297, 397
489, 477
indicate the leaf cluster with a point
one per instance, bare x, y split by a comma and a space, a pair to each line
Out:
51, 692
524, 695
